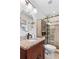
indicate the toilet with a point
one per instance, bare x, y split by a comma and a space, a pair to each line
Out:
49, 51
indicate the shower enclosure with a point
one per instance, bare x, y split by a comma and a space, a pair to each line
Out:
50, 25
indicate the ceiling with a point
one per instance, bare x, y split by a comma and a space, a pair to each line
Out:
44, 7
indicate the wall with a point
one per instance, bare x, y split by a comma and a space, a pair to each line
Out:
56, 36
38, 28
27, 25
55, 23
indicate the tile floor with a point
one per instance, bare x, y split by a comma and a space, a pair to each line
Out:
56, 55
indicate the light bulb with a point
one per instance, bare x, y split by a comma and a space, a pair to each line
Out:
29, 8
33, 12
49, 1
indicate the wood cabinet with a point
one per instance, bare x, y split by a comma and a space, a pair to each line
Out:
35, 52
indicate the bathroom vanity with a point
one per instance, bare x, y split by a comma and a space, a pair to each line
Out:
32, 49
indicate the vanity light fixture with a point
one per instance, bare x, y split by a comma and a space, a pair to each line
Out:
29, 8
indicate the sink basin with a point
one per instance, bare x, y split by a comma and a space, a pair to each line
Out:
32, 41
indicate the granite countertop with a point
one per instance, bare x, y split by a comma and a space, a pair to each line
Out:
26, 44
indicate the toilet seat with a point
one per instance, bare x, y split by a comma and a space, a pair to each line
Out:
49, 48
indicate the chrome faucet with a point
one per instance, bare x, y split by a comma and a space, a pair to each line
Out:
29, 36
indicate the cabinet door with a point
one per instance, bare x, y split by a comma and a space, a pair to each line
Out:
22, 54
36, 52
